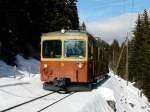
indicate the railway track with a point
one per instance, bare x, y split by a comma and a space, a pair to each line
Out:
54, 103
36, 101
29, 101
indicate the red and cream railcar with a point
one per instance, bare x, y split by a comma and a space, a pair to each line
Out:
71, 57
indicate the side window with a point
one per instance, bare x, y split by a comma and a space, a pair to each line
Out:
90, 50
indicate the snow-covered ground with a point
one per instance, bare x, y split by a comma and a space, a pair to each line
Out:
22, 83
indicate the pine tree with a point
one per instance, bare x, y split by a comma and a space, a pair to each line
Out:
132, 62
136, 57
139, 55
73, 15
146, 54
83, 27
133, 50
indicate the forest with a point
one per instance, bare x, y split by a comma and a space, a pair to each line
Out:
138, 55
23, 22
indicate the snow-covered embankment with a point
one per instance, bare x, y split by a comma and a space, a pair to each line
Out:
27, 85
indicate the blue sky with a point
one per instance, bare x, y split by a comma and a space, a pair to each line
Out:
91, 10
96, 12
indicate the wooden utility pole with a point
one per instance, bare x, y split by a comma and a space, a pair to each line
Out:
118, 62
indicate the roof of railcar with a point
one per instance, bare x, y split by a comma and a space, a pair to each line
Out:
70, 32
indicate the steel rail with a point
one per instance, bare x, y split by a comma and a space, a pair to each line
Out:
55, 102
18, 105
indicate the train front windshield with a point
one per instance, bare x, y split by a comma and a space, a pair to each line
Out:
52, 49
74, 49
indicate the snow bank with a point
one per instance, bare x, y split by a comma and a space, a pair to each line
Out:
107, 94
82, 102
127, 97
5, 70
30, 65
8, 71
24, 68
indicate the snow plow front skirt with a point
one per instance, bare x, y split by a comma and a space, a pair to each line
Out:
69, 88
75, 87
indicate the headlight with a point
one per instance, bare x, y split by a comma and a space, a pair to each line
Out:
45, 65
80, 65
